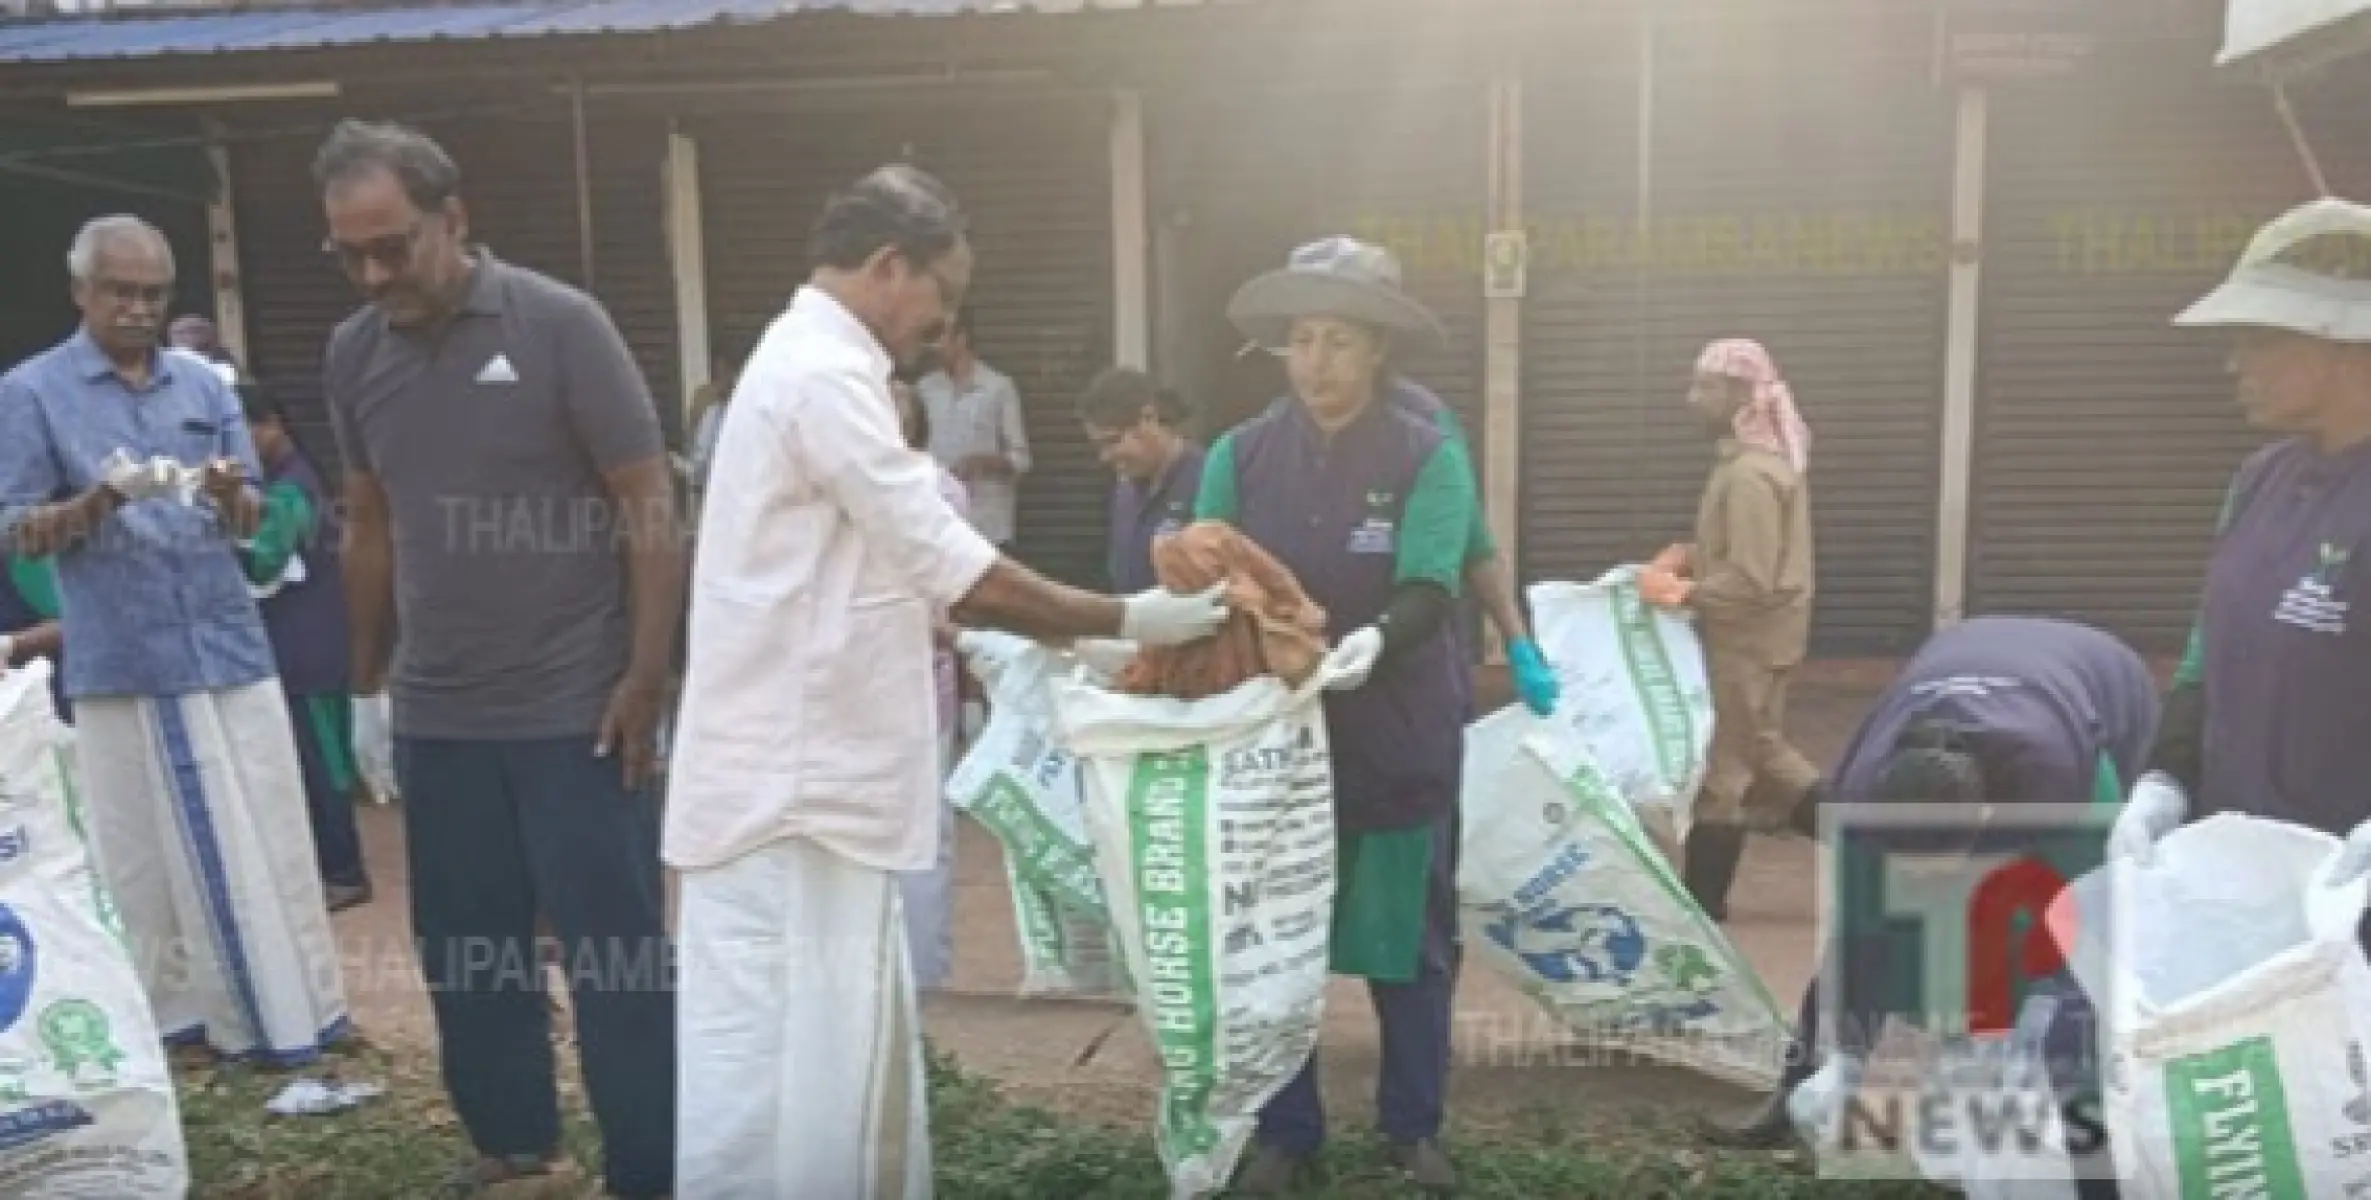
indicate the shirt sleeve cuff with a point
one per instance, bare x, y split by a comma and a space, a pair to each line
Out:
966, 561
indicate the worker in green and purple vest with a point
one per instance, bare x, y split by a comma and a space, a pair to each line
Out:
292, 566
1372, 510
2269, 709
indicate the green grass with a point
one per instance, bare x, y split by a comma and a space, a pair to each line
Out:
986, 1147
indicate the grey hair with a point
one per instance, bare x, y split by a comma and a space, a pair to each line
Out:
100, 232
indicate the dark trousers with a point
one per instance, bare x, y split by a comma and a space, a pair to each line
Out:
499, 833
1417, 1017
324, 730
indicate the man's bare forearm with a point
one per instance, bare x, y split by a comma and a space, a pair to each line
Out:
46, 640
1015, 599
54, 528
242, 513
656, 573
370, 610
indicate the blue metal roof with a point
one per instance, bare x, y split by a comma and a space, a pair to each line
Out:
184, 33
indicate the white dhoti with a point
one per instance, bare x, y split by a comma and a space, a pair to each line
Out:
200, 831
799, 1054
929, 896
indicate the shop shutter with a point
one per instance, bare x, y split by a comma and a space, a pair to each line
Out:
1799, 196
2105, 437
518, 179
1033, 176
1242, 177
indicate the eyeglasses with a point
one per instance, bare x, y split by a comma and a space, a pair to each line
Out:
153, 295
393, 251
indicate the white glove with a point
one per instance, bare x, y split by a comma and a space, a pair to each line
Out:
2156, 808
136, 481
1348, 665
1106, 657
2354, 859
1163, 618
374, 745
1817, 1104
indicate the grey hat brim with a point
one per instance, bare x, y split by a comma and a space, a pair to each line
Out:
2282, 297
1265, 308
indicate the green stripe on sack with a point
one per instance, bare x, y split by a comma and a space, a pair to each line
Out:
102, 900
2230, 1116
1042, 855
1168, 801
1668, 720
1595, 793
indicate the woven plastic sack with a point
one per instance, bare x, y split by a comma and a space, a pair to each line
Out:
1634, 689
1024, 788
1564, 895
2238, 1012
87, 1106
1213, 822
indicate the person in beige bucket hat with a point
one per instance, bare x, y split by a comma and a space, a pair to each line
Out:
1359, 283
2268, 707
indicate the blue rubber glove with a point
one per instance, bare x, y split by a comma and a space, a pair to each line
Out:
1534, 681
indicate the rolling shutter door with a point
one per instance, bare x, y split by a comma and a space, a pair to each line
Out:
2105, 436
518, 180
1245, 177
1804, 208
1034, 178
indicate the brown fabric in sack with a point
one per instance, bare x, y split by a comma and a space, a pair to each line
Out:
1275, 628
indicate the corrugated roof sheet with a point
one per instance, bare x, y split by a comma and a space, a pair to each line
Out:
75, 39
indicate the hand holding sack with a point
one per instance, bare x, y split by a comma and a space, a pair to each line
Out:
1663, 588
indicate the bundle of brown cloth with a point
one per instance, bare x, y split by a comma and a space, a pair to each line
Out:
1274, 629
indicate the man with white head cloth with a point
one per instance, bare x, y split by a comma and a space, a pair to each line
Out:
133, 467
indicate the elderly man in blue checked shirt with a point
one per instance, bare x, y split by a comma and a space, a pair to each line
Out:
132, 468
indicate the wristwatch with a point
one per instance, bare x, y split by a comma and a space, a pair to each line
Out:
7, 650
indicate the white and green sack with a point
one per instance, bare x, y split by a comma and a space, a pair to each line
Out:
1024, 788
1634, 689
2237, 1008
1213, 822
87, 1106
1563, 894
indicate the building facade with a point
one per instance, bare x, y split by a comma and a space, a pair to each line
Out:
1960, 227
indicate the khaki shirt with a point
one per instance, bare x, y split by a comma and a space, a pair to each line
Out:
1753, 559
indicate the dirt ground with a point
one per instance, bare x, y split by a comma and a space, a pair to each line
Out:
1512, 1063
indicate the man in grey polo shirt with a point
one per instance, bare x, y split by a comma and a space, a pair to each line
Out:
515, 580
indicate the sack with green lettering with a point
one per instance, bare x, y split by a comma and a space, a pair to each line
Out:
87, 1105
2237, 1012
1634, 689
1565, 896
1024, 788
1213, 822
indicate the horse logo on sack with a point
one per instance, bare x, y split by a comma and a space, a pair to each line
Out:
1581, 943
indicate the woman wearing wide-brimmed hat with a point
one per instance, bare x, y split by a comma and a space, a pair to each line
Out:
2268, 710
1374, 509
1363, 280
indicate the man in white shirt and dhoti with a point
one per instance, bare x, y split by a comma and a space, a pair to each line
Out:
805, 775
